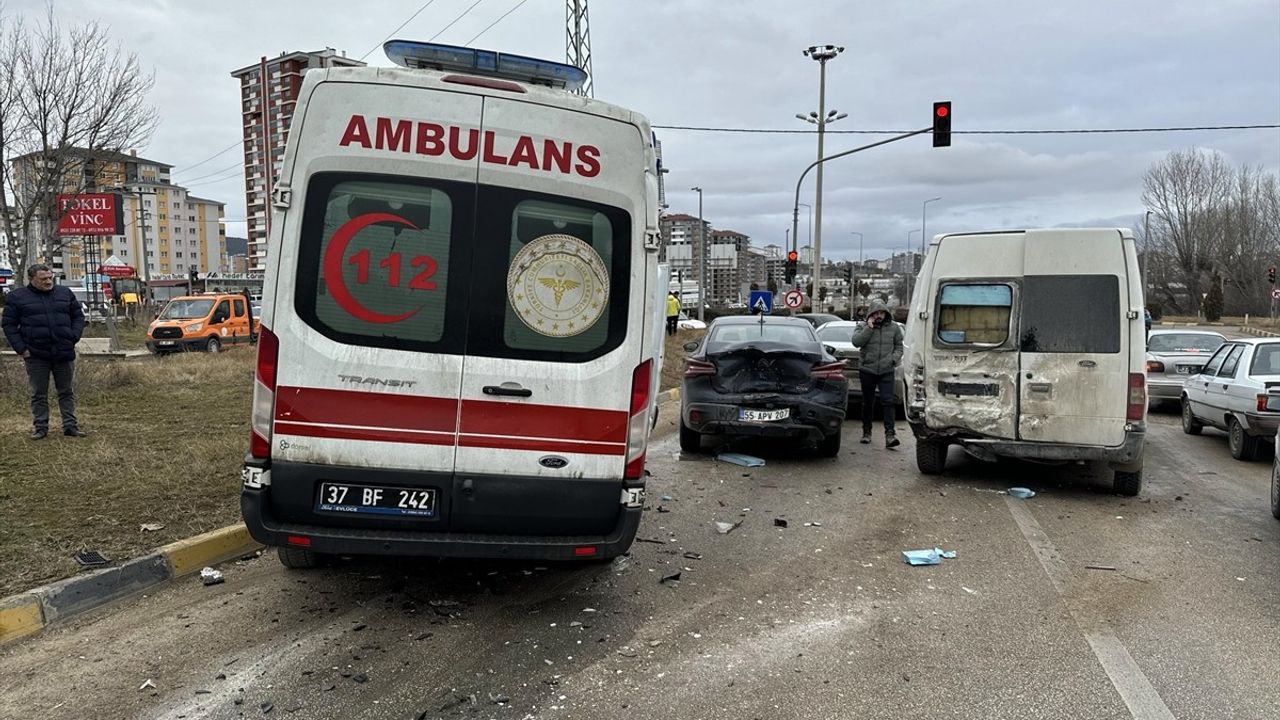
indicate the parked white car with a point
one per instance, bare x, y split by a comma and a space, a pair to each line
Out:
1230, 393
687, 323
1175, 355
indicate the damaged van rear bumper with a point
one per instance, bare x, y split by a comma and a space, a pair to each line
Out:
1127, 456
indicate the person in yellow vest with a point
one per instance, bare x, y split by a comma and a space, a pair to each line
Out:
673, 313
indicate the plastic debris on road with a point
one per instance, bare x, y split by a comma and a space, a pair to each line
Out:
740, 459
150, 527
779, 522
725, 528
1021, 492
209, 576
932, 556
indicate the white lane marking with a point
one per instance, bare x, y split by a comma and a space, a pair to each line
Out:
1143, 701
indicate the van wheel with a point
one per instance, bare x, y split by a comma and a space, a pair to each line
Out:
690, 439
299, 558
212, 345
1243, 445
1190, 425
829, 445
1127, 483
931, 456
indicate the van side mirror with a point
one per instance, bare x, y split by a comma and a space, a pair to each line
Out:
690, 346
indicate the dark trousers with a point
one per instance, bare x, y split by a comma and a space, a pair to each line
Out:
38, 372
871, 385
671, 324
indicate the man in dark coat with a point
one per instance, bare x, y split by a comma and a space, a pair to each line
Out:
43, 322
879, 342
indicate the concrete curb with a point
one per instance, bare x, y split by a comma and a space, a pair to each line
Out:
1256, 332
666, 396
30, 612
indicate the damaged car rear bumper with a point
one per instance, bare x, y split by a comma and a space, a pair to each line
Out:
807, 419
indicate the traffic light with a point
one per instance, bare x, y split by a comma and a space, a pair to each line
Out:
942, 124
792, 258
194, 274
1271, 274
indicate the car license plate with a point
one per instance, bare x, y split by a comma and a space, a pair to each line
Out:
763, 415
164, 342
1188, 369
377, 500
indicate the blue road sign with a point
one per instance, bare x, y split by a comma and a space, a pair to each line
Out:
761, 301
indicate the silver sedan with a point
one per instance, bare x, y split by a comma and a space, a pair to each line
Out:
1175, 355
1230, 393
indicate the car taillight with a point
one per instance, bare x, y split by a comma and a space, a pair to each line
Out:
1137, 397
1262, 402
829, 371
698, 368
638, 425
264, 394
1155, 366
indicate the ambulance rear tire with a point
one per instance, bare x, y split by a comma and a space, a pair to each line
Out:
212, 345
300, 558
690, 439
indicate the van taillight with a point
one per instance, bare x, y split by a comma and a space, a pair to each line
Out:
638, 425
264, 394
1137, 397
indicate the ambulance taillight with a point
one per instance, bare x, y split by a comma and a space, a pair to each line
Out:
264, 394
638, 426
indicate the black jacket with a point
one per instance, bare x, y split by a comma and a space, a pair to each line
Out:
49, 324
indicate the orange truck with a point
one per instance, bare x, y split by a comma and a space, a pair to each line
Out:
203, 323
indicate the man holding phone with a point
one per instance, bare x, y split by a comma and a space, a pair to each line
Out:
879, 342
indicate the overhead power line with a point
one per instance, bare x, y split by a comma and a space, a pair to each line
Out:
221, 152
455, 20
495, 22
425, 5
237, 165
1079, 131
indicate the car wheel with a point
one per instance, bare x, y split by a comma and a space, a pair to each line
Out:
1190, 425
931, 456
300, 558
690, 439
213, 345
1275, 487
1127, 483
1243, 445
829, 445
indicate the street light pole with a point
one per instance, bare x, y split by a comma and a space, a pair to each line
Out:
906, 262
1146, 250
809, 207
702, 260
924, 236
821, 54
853, 285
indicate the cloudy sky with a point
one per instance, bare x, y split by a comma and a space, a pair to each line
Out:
1005, 64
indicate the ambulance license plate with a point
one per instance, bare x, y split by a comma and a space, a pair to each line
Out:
763, 415
377, 500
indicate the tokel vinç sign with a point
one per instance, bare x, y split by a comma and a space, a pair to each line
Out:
90, 214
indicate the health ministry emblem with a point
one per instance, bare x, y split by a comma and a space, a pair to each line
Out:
558, 286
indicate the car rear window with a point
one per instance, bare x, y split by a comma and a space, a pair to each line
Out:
1184, 343
974, 314
1266, 360
837, 333
729, 334
1070, 314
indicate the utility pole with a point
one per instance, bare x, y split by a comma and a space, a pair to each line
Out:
1146, 250
577, 33
702, 259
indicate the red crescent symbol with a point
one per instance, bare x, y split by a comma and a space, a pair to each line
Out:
333, 268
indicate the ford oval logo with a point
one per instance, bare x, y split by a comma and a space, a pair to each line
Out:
555, 462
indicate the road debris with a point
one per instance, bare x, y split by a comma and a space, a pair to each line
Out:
674, 577
693, 556
740, 459
1021, 492
209, 576
779, 522
151, 527
147, 684
725, 528
932, 556
1100, 567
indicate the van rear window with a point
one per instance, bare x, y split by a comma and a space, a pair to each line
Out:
974, 314
1070, 314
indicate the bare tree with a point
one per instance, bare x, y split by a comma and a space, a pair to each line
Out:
1187, 191
1251, 231
70, 99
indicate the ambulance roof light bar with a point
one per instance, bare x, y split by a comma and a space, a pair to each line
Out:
490, 63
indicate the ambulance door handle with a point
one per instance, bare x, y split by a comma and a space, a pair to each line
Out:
507, 389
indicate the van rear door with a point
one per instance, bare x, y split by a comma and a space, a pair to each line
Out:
1074, 338
554, 329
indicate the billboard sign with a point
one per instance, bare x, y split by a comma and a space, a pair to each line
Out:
90, 214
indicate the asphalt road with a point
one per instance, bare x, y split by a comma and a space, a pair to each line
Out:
818, 619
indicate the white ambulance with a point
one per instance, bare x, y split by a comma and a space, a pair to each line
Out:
1030, 344
457, 355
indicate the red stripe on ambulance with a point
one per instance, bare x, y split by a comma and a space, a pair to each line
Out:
435, 140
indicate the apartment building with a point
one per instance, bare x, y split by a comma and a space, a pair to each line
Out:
268, 96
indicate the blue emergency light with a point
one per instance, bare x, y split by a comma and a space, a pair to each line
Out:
489, 63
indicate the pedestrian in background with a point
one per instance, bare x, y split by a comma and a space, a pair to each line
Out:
673, 313
879, 342
42, 323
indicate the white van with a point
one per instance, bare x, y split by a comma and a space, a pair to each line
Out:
459, 316
1029, 344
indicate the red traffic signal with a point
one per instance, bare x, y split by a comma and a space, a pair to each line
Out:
792, 256
942, 124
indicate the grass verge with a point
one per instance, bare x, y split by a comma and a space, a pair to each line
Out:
167, 438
